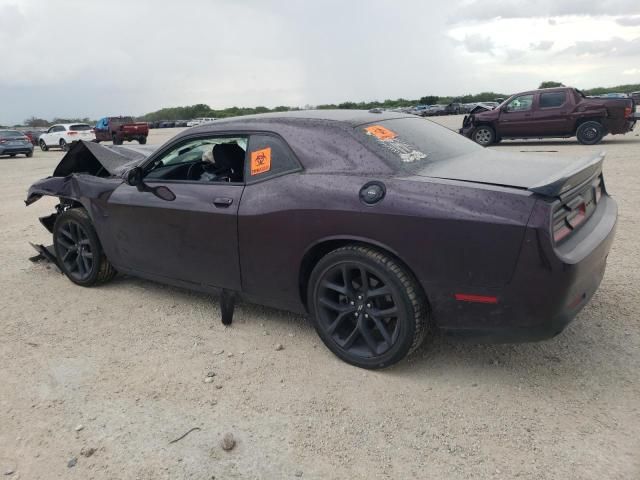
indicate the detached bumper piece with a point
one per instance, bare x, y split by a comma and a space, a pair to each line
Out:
45, 254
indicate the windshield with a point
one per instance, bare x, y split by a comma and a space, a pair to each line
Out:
79, 127
410, 144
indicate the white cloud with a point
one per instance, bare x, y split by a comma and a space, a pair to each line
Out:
78, 58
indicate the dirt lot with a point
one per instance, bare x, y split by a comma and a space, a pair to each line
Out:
122, 369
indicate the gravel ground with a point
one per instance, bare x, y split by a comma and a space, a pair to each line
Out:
122, 369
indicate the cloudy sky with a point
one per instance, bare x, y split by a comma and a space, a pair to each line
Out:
94, 58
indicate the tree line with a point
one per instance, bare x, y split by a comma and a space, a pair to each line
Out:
203, 110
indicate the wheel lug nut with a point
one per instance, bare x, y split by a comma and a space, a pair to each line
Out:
366, 315
368, 305
352, 302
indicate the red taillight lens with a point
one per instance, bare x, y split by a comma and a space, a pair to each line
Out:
628, 111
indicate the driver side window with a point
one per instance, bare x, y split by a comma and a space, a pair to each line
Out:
203, 159
520, 104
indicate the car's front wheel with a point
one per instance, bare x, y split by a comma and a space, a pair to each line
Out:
484, 135
78, 249
366, 307
43, 145
142, 140
29, 154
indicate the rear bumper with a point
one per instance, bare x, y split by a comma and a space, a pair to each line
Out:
550, 286
17, 150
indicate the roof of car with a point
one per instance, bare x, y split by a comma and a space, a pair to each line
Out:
351, 117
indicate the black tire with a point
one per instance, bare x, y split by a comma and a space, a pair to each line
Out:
116, 140
43, 146
483, 135
590, 133
370, 326
78, 249
142, 140
29, 154
63, 145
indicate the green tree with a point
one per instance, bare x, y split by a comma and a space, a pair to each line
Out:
429, 100
551, 84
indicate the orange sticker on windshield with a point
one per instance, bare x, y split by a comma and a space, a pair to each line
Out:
261, 161
380, 132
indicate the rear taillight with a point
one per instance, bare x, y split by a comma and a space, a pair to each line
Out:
628, 112
72, 132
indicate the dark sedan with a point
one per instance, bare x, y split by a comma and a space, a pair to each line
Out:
14, 143
378, 225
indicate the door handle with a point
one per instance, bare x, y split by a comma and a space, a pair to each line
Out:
222, 202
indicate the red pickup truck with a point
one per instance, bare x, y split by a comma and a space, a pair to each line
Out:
119, 129
551, 112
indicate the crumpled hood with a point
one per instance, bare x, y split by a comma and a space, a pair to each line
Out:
102, 161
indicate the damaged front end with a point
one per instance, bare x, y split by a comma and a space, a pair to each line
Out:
468, 122
79, 172
85, 177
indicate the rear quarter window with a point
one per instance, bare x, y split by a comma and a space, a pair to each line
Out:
269, 156
410, 144
552, 99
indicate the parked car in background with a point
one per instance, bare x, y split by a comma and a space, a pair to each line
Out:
200, 121
435, 110
121, 129
553, 112
391, 226
33, 135
453, 108
64, 134
181, 123
419, 110
167, 124
636, 97
14, 143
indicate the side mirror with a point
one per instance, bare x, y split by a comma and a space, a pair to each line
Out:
134, 178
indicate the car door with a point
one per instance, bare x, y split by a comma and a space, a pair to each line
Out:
516, 116
551, 117
193, 238
49, 136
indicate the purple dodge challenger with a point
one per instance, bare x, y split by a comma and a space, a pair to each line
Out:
380, 226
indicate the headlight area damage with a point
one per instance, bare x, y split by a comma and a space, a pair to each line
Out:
86, 176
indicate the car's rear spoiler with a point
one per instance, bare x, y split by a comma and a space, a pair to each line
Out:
572, 176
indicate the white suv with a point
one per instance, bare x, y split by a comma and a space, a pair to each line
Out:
64, 134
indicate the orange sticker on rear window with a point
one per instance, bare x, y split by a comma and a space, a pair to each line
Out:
380, 132
261, 161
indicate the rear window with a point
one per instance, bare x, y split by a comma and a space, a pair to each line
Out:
80, 127
10, 134
550, 100
411, 144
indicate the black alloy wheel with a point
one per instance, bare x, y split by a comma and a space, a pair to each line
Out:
78, 249
366, 308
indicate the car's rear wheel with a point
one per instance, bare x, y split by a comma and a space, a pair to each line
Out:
366, 307
484, 135
29, 154
142, 140
78, 249
63, 145
43, 145
590, 133
116, 140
